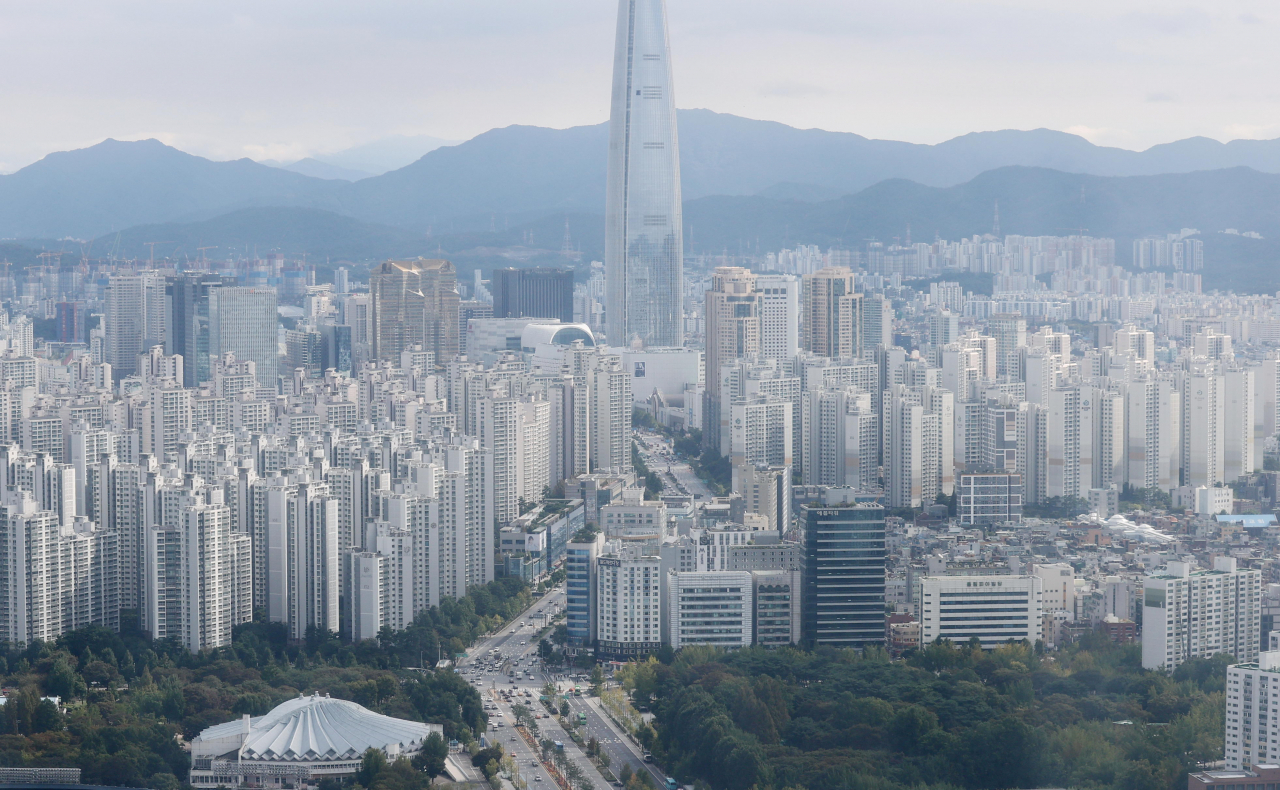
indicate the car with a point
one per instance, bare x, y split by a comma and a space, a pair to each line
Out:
537, 778
513, 739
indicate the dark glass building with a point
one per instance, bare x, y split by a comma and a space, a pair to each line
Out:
187, 324
533, 293
843, 584
70, 317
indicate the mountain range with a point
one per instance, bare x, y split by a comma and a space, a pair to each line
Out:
1033, 201
514, 174
505, 195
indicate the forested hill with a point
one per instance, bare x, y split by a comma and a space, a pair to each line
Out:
1086, 717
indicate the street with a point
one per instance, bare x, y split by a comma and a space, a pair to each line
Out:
658, 454
506, 670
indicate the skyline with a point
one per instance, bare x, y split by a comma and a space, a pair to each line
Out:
242, 80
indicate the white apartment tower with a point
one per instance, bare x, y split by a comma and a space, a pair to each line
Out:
1196, 614
1252, 735
779, 317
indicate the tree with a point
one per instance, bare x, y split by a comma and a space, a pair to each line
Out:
47, 717
432, 757
372, 764
597, 680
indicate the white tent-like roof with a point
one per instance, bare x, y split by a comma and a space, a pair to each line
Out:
318, 728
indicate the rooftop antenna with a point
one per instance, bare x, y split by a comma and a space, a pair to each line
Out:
908, 234
995, 226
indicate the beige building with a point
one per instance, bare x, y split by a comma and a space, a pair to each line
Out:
733, 331
831, 314
415, 303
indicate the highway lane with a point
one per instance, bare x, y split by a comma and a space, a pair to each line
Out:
620, 748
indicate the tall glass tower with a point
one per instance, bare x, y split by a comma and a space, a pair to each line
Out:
644, 245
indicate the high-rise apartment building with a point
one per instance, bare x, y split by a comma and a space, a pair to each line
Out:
779, 316
243, 322
844, 572
415, 303
1010, 332
831, 314
644, 247
1252, 699
533, 293
733, 331
840, 438
1195, 614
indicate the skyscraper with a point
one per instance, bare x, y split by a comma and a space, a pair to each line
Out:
533, 293
832, 314
644, 244
733, 331
243, 321
843, 589
187, 302
415, 303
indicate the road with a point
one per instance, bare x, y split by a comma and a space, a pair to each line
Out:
613, 740
489, 666
659, 455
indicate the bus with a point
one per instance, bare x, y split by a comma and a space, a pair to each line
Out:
582, 718
672, 784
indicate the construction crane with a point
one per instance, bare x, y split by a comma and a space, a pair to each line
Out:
152, 244
204, 262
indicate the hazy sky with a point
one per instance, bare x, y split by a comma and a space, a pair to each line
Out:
283, 79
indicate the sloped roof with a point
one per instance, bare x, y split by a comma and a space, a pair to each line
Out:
320, 728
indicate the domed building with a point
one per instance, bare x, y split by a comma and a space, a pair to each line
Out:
299, 743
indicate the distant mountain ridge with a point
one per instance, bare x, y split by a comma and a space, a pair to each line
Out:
1033, 201
514, 174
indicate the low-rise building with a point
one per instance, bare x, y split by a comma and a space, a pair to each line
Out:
992, 609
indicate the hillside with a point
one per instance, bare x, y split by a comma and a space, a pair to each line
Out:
1033, 201
512, 175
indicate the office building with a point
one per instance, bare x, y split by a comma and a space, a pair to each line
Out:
709, 608
776, 598
189, 332
644, 245
580, 589
628, 603
533, 293
243, 322
133, 319
415, 303
985, 498
1010, 332
1190, 614
991, 608
844, 575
